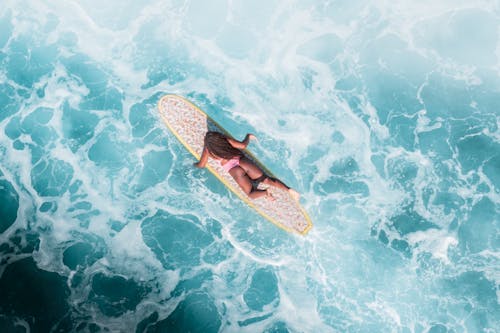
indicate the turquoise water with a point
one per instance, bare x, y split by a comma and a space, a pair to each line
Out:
384, 115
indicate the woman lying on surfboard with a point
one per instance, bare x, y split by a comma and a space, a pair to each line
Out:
245, 172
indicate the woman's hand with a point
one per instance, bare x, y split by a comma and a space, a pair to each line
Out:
203, 159
250, 136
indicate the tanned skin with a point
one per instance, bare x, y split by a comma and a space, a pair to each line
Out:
247, 171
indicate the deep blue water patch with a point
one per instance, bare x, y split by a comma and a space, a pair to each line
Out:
78, 126
101, 96
480, 231
217, 251
156, 165
395, 97
263, 290
402, 171
141, 119
40, 116
13, 128
491, 168
109, 99
344, 167
402, 246
116, 226
449, 201
11, 325
409, 221
35, 124
144, 324
279, 327
485, 96
343, 178
84, 217
9, 199
475, 150
176, 240
115, 295
146, 123
8, 100
37, 296
28, 61
193, 283
48, 206
197, 313
479, 294
108, 151
402, 130
254, 320
431, 143
339, 184
76, 255
446, 98
84, 253
89, 327
51, 177
20, 242
438, 328
75, 189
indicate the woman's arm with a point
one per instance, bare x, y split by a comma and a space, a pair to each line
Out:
241, 144
203, 159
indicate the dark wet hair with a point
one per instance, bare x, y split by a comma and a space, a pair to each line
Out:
218, 146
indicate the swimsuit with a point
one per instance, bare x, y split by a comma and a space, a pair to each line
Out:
234, 162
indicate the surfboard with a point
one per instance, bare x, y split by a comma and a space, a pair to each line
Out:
189, 124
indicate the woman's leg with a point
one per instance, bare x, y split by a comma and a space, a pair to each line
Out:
254, 173
244, 181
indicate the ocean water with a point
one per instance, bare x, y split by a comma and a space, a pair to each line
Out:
384, 115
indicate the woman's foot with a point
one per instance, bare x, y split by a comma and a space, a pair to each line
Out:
294, 194
269, 196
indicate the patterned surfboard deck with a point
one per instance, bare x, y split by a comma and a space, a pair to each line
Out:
189, 124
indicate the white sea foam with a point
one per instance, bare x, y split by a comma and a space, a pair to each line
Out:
280, 81
433, 241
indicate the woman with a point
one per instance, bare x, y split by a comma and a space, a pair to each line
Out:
243, 170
